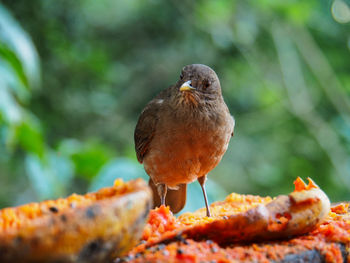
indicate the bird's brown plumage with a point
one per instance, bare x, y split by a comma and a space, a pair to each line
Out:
182, 135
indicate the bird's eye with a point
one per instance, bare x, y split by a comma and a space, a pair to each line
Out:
206, 83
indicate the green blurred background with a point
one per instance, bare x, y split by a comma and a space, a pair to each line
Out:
74, 76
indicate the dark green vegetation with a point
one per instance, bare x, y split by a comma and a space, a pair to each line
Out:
66, 123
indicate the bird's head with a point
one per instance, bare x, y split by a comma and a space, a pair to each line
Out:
198, 84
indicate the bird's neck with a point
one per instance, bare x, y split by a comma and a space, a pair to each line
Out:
190, 100
194, 108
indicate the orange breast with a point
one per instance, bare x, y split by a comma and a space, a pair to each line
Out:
181, 154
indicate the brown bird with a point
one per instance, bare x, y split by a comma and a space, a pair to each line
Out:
182, 134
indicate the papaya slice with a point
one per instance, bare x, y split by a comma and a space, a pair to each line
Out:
95, 227
284, 216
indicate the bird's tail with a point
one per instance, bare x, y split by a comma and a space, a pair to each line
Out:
176, 199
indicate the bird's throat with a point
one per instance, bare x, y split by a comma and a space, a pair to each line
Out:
189, 98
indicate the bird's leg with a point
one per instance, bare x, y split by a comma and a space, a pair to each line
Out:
201, 181
162, 189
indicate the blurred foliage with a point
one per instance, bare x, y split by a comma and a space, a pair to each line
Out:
66, 125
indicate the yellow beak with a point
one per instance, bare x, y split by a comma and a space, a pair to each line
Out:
186, 86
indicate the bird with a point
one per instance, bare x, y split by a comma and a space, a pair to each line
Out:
182, 134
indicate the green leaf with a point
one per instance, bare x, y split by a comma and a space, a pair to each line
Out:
12, 79
88, 157
29, 136
7, 55
10, 110
13, 37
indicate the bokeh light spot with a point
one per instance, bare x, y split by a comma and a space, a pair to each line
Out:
340, 11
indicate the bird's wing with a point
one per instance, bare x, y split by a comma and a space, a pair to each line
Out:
145, 129
146, 125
